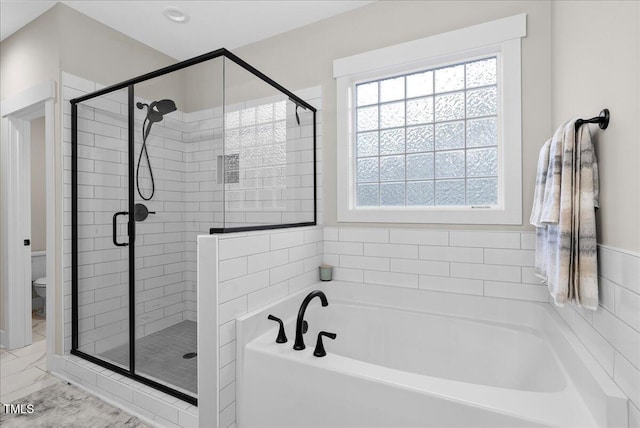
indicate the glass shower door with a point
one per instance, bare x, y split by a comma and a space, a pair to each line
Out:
165, 338
101, 242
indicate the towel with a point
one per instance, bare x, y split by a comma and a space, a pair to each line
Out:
565, 197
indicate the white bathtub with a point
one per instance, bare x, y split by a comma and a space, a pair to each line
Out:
409, 358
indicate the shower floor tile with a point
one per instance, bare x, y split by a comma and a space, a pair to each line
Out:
159, 356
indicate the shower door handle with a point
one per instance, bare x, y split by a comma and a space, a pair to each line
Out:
115, 229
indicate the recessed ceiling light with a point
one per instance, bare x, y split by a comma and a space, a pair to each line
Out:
175, 14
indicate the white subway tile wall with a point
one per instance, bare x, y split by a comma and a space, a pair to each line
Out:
612, 333
255, 269
495, 264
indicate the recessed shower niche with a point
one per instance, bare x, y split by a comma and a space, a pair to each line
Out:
208, 145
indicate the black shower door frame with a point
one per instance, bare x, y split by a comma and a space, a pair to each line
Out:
129, 85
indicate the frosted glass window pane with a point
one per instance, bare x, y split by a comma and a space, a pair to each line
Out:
450, 106
482, 162
449, 192
264, 134
392, 115
449, 135
392, 89
367, 118
280, 110
367, 144
482, 132
420, 167
248, 136
367, 94
232, 119
264, 113
450, 78
450, 164
420, 139
481, 73
391, 168
232, 138
392, 141
407, 137
482, 102
248, 116
420, 193
420, 84
367, 195
280, 131
367, 170
482, 191
420, 111
391, 194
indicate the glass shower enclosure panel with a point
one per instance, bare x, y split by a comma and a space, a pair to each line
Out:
101, 251
268, 164
208, 145
178, 133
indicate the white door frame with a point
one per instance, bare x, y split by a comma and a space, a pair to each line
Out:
17, 113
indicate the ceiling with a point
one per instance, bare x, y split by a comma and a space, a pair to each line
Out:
210, 25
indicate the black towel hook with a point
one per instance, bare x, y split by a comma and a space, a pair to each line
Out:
602, 120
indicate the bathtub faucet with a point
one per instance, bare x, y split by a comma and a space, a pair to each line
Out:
299, 343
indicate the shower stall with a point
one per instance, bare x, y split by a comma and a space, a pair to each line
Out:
208, 145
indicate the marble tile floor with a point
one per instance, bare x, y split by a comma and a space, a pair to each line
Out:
23, 371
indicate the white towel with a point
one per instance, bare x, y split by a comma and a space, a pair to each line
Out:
564, 216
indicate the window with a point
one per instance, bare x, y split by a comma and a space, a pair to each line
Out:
429, 131
428, 138
256, 137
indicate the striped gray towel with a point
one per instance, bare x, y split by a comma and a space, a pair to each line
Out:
563, 213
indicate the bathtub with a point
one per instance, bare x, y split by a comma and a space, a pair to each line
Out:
414, 358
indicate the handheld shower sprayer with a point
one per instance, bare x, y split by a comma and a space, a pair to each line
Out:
155, 112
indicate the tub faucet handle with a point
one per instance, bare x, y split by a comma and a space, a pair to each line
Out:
319, 351
282, 337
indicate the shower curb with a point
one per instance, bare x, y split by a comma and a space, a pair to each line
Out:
149, 405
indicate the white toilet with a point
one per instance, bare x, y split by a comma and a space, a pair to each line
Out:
40, 285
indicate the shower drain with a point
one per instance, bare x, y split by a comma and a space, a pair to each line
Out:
189, 355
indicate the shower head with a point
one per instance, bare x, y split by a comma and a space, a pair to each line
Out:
158, 109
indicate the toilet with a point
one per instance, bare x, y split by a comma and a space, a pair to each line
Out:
40, 285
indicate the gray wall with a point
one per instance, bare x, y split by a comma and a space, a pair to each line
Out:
63, 39
577, 58
304, 57
595, 59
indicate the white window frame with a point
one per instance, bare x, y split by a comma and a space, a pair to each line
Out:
501, 38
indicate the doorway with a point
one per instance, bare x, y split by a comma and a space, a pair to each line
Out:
30, 109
